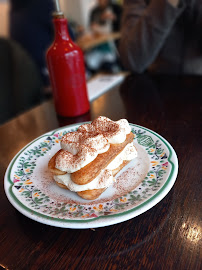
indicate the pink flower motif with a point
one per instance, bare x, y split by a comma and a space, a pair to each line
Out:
15, 180
93, 215
56, 135
165, 164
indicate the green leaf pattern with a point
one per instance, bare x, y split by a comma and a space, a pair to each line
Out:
40, 201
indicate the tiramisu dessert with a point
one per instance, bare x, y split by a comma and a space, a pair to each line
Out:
91, 156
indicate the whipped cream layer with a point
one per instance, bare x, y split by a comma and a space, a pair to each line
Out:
105, 178
86, 153
113, 131
81, 147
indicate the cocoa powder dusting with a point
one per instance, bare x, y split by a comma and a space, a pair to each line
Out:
127, 180
84, 140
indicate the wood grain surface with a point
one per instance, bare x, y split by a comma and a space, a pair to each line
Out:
168, 236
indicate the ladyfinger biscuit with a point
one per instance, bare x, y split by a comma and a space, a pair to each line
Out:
51, 165
91, 194
95, 193
92, 170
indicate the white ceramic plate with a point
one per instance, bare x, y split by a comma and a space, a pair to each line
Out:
139, 186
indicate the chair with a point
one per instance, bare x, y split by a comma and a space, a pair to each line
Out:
20, 81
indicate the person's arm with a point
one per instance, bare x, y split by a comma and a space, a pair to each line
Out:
145, 29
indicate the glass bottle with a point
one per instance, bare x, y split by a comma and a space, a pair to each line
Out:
67, 72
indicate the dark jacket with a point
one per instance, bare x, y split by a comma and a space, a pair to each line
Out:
21, 86
32, 27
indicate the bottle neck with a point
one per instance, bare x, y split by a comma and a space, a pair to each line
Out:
61, 31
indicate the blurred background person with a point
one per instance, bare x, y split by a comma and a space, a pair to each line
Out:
162, 36
21, 86
23, 72
105, 17
32, 27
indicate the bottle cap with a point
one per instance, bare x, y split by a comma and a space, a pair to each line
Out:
58, 13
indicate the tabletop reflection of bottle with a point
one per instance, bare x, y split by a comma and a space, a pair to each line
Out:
67, 71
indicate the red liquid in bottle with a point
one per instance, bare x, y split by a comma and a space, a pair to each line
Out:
67, 73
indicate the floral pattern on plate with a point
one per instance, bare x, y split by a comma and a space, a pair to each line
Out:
20, 185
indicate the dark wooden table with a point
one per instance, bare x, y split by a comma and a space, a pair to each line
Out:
168, 236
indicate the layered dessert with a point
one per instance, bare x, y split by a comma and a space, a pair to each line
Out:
90, 157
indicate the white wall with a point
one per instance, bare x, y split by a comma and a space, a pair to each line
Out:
77, 10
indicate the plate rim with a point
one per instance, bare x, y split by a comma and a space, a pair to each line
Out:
58, 222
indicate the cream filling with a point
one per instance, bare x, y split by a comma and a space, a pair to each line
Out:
105, 178
81, 147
